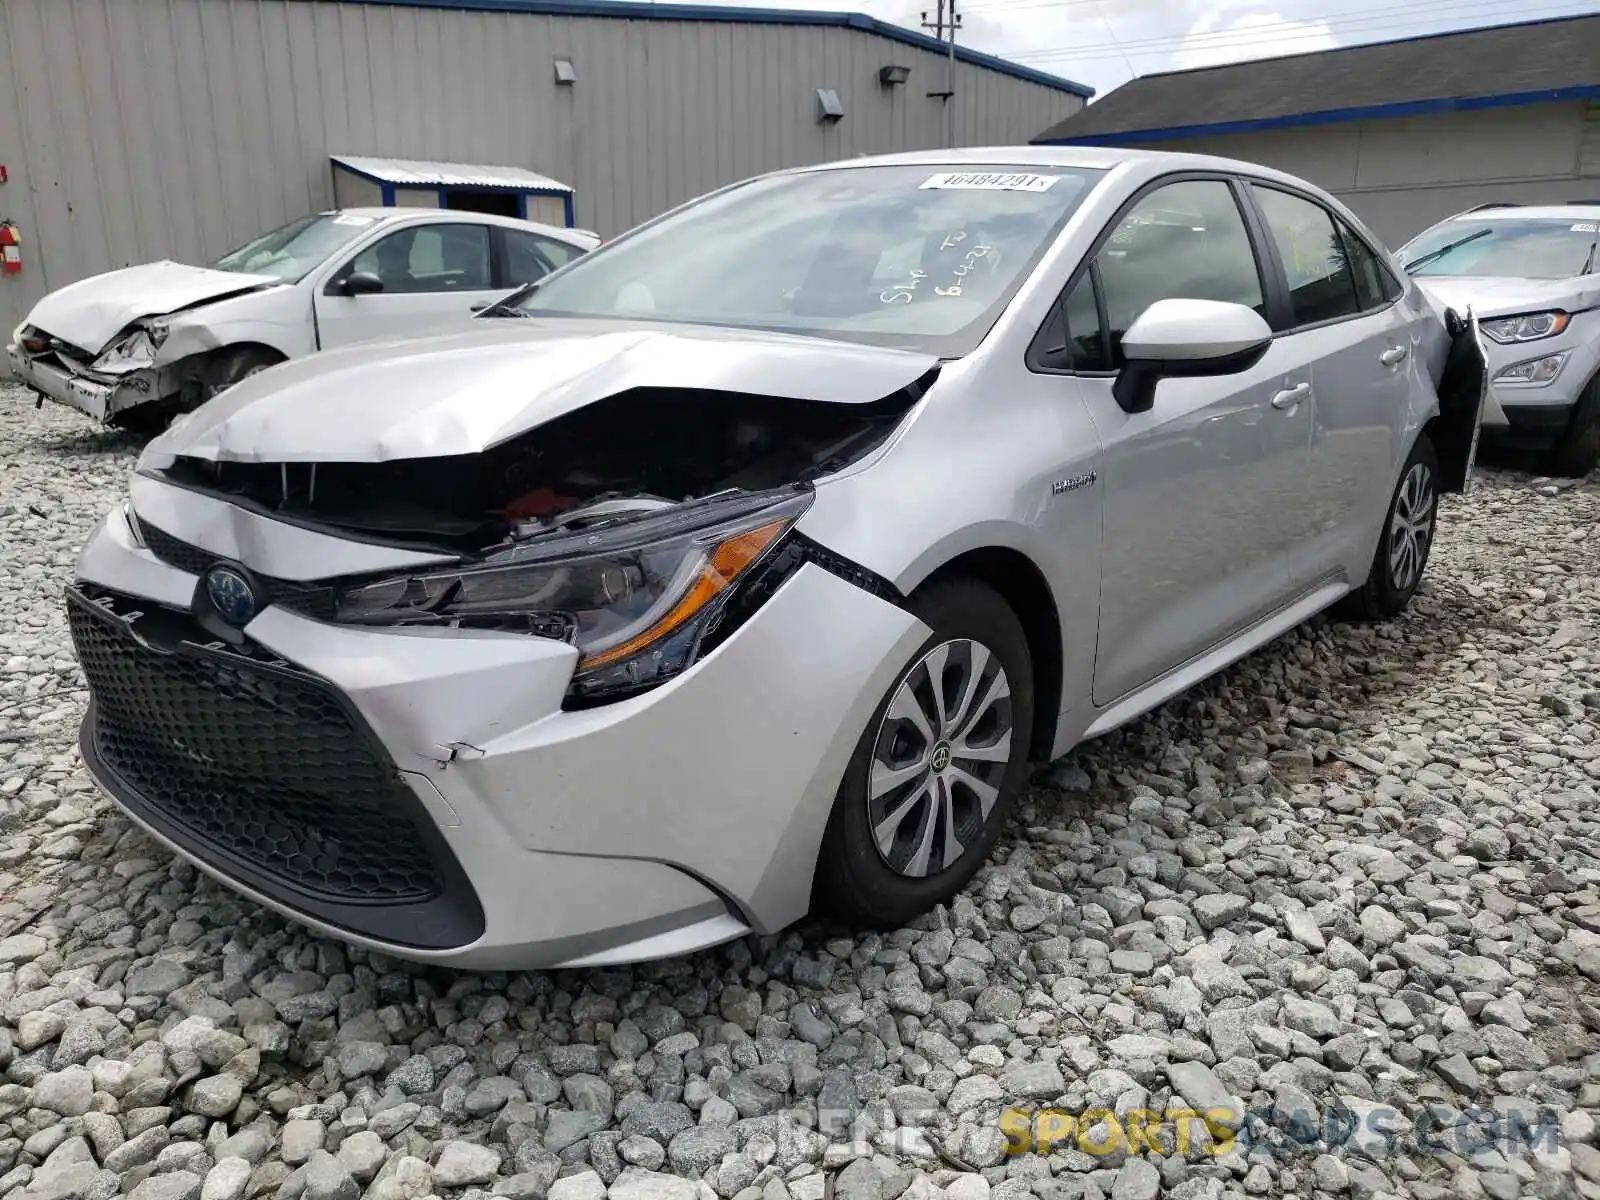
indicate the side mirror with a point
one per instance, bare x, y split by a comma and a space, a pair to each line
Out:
362, 283
1187, 338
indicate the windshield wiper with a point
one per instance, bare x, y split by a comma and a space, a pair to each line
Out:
1434, 255
506, 305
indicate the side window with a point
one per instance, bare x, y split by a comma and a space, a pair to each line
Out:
430, 258
530, 257
1374, 287
1185, 241
1322, 286
1086, 350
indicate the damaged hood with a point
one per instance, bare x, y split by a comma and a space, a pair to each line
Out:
89, 313
462, 393
1498, 297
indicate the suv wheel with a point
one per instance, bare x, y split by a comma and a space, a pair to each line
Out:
1579, 449
938, 766
1407, 537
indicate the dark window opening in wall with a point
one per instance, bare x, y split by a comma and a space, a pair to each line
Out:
499, 204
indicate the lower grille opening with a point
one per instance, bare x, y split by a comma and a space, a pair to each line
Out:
266, 773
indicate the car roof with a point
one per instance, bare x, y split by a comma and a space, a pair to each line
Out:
1090, 157
1579, 209
396, 215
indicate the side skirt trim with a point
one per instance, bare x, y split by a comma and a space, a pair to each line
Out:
1181, 679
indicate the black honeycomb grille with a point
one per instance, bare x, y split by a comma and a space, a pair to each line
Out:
176, 553
256, 761
316, 600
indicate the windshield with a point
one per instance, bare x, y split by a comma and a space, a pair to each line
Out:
293, 251
1522, 248
918, 257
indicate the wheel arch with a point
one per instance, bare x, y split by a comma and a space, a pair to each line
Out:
1021, 584
240, 349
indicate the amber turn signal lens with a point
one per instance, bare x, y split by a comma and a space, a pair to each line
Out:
725, 564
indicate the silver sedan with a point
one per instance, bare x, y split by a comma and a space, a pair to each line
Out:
744, 564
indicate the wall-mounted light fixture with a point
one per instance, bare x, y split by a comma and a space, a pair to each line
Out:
829, 109
566, 75
893, 74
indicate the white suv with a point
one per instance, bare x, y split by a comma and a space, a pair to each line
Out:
1532, 277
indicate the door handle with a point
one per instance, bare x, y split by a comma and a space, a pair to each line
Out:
1290, 397
1393, 355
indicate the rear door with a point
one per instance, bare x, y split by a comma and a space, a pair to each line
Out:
1337, 319
434, 276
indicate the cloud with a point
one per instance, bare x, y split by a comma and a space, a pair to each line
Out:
1218, 38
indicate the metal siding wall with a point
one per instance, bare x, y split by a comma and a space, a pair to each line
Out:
145, 129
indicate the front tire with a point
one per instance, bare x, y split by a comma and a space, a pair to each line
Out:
937, 768
228, 368
1406, 540
1579, 449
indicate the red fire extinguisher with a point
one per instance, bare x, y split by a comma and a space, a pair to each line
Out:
10, 248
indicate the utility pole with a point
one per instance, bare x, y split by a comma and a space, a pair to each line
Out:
950, 76
937, 27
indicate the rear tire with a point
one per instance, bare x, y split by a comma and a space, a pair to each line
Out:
933, 777
1403, 546
1578, 450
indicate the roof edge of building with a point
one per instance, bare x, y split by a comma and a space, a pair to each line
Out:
1328, 116
1465, 31
733, 15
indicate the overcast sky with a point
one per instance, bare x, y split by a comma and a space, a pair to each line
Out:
1104, 43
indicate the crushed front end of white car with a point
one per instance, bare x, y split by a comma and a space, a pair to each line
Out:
128, 338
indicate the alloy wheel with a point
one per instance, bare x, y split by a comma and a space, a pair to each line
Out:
1411, 527
939, 758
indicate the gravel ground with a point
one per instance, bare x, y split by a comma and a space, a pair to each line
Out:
1344, 900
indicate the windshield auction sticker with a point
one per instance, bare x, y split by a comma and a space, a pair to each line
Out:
990, 182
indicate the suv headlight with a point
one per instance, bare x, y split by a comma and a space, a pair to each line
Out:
635, 598
1529, 327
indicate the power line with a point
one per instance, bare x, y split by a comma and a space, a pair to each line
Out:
1112, 34
1229, 38
1276, 29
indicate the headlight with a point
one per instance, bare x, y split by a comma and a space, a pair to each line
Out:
634, 598
1536, 371
1529, 327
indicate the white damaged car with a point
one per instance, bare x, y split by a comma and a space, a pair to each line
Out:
139, 345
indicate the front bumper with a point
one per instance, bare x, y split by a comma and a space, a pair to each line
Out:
534, 837
1539, 412
98, 396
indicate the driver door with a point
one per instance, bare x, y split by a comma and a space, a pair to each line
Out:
1204, 493
434, 277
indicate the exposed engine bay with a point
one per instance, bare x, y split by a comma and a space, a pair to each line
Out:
626, 456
